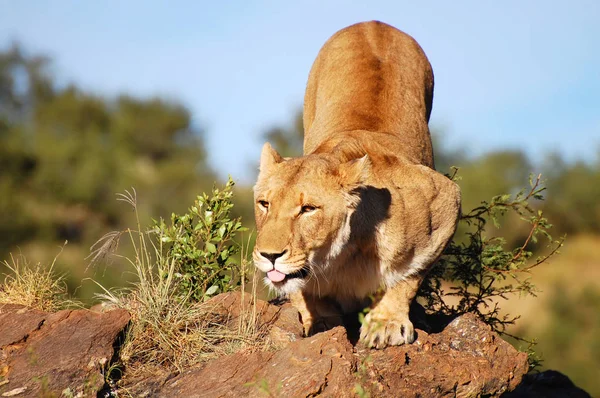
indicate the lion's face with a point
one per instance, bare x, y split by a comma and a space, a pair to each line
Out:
302, 208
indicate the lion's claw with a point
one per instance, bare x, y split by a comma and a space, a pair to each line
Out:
379, 332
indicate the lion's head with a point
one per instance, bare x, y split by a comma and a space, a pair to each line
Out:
302, 207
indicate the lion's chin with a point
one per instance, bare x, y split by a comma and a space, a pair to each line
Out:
285, 287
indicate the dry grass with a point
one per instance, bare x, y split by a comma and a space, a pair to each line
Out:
37, 286
169, 333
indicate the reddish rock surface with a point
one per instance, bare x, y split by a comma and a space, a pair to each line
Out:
322, 364
50, 353
465, 359
282, 321
43, 353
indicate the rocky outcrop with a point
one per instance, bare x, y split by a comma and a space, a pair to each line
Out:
465, 359
322, 364
66, 352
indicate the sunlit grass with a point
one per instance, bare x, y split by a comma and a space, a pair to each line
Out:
36, 286
169, 333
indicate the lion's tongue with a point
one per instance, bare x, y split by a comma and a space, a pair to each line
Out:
275, 275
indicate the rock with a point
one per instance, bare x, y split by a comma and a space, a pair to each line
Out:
232, 304
465, 359
17, 323
42, 353
287, 327
282, 321
322, 364
52, 354
548, 384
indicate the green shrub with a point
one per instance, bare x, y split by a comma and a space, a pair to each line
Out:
177, 267
201, 243
478, 271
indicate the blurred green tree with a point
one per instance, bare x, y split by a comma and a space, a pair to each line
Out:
65, 153
573, 192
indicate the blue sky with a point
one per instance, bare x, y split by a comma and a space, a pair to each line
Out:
509, 74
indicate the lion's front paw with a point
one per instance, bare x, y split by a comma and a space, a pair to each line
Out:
380, 331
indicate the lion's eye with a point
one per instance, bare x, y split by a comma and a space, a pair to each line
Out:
307, 209
263, 204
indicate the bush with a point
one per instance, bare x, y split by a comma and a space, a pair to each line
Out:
201, 244
179, 266
479, 270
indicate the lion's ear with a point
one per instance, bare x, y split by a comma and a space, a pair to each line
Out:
356, 171
269, 157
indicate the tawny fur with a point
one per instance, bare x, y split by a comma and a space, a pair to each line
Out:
364, 207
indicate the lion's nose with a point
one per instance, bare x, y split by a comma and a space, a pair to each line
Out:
272, 256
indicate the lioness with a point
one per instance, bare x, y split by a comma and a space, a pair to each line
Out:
364, 207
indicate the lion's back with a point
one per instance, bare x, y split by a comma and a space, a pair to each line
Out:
373, 77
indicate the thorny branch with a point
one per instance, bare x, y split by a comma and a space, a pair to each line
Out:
481, 270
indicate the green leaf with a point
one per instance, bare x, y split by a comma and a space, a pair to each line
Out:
211, 247
211, 290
